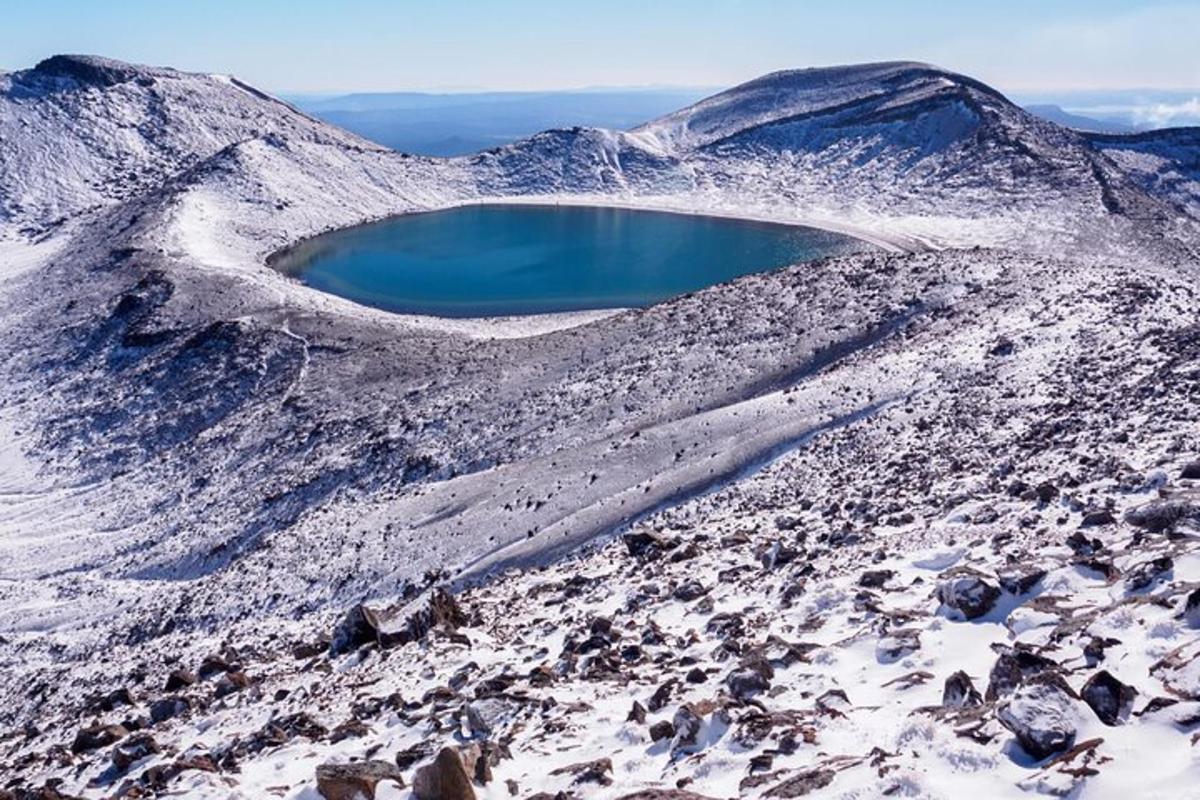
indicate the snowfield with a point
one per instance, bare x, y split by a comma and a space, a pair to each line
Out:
917, 522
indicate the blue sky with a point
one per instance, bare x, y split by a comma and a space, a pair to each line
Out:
369, 45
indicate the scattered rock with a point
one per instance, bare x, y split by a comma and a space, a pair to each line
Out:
662, 730
1191, 609
834, 702
751, 680
231, 682
971, 596
444, 779
1146, 573
1095, 518
689, 590
180, 679
97, 736
686, 724
214, 665
802, 784
356, 780
165, 708
1012, 669
646, 544
133, 749
1042, 715
1159, 515
959, 691
897, 644
360, 626
441, 613
598, 771
1108, 697
875, 578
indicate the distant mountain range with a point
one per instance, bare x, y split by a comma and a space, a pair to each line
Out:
453, 124
459, 124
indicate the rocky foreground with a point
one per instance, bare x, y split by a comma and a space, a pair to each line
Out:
1039, 647
989, 583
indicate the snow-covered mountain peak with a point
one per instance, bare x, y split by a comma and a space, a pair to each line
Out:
88, 70
791, 94
78, 133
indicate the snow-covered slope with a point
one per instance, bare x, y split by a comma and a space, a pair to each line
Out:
199, 455
81, 132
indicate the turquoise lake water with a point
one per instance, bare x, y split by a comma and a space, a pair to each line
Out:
479, 261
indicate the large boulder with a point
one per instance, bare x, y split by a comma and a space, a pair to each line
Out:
959, 691
1013, 668
165, 708
969, 596
133, 749
442, 612
1043, 716
802, 784
1160, 515
360, 626
356, 780
1111, 699
598, 772
446, 778
97, 736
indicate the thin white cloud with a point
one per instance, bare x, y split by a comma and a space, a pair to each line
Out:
1162, 114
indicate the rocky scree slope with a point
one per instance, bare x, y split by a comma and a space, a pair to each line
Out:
897, 607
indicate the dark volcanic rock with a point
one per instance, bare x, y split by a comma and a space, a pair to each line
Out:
90, 70
180, 679
970, 596
1159, 515
168, 707
133, 749
662, 730
646, 544
959, 691
360, 626
1146, 573
689, 591
1012, 669
1095, 518
96, 737
1042, 715
745, 683
598, 771
355, 780
231, 682
875, 578
445, 779
442, 612
803, 784
1108, 697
